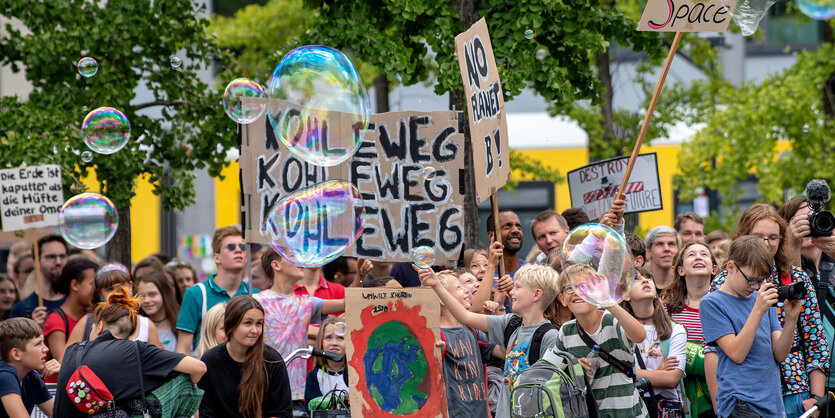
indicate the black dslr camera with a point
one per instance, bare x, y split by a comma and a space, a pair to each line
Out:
794, 291
821, 222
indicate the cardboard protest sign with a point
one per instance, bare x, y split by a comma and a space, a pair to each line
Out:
593, 187
30, 197
394, 368
404, 208
686, 16
485, 103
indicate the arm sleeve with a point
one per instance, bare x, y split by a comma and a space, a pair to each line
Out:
715, 321
8, 383
629, 345
484, 346
560, 336
43, 392
311, 387
718, 281
156, 362
815, 346
495, 328
549, 341
678, 346
316, 316
52, 323
189, 316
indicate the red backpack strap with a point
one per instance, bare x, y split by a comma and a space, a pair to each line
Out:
443, 338
475, 334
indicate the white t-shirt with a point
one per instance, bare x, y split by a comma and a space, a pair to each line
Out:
652, 354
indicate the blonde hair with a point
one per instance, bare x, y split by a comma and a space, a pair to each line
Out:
444, 274
214, 316
540, 277
320, 337
572, 271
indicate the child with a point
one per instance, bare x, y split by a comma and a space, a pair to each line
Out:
185, 276
613, 330
329, 375
213, 333
77, 280
160, 306
288, 316
663, 353
533, 290
742, 322
22, 352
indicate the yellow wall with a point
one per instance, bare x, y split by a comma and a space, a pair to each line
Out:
228, 197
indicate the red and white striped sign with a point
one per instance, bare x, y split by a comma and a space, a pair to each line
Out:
594, 186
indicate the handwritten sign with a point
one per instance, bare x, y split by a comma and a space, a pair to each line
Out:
485, 103
30, 197
686, 16
404, 208
394, 368
593, 187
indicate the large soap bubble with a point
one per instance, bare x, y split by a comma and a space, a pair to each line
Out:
748, 13
423, 256
105, 130
313, 226
612, 271
817, 9
234, 105
322, 105
88, 220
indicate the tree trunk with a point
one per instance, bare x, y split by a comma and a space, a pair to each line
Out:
118, 249
381, 93
829, 86
601, 60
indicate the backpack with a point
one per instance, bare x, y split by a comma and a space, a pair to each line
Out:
554, 386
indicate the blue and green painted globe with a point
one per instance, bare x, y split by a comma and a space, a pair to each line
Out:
395, 369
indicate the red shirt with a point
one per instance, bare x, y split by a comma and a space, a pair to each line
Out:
326, 290
689, 318
54, 323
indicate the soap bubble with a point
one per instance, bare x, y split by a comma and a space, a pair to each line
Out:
340, 328
528, 34
234, 106
817, 9
748, 13
429, 173
541, 54
611, 274
318, 106
313, 226
806, 128
88, 220
175, 61
87, 67
423, 256
105, 130
86, 156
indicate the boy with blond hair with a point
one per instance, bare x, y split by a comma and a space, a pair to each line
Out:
525, 334
23, 351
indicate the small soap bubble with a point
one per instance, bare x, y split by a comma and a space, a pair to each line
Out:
340, 328
86, 156
313, 226
319, 105
175, 61
806, 128
105, 130
528, 34
88, 220
541, 54
817, 9
606, 272
87, 67
429, 173
423, 256
233, 103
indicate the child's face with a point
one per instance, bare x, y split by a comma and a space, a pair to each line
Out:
740, 277
86, 286
478, 265
220, 331
643, 288
696, 261
572, 300
184, 279
34, 355
250, 328
469, 282
523, 296
459, 292
332, 342
151, 298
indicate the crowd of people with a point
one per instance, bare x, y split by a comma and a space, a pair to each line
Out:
703, 328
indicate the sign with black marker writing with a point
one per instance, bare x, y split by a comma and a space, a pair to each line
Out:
686, 16
30, 197
407, 169
593, 187
485, 103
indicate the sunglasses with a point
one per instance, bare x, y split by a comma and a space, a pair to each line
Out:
231, 247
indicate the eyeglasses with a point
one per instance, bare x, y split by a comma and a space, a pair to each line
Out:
242, 246
53, 257
772, 240
757, 283
568, 290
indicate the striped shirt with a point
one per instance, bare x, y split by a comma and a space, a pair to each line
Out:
615, 393
689, 318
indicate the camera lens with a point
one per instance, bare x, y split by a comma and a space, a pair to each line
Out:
824, 223
794, 291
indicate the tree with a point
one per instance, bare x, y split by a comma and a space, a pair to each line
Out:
181, 127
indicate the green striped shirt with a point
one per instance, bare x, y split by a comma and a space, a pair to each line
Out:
615, 393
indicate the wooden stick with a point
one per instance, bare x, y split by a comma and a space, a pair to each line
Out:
38, 279
670, 55
497, 235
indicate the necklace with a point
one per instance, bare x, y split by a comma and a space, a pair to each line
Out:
160, 321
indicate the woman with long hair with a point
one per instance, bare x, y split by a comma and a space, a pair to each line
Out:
8, 295
184, 275
803, 372
212, 332
248, 379
160, 306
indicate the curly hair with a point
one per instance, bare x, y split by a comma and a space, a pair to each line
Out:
119, 312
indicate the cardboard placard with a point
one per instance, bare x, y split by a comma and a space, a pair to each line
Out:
404, 209
593, 187
394, 368
485, 104
686, 16
30, 197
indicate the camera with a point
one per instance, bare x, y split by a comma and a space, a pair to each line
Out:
821, 222
794, 291
643, 385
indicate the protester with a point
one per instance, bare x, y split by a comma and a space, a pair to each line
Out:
313, 283
741, 321
638, 248
468, 280
118, 362
511, 235
212, 333
229, 254
160, 306
343, 271
662, 355
575, 217
16, 251
690, 227
329, 376
556, 312
259, 280
714, 237
8, 295
804, 370
247, 378
53, 255
185, 276
720, 251
663, 243
548, 230
613, 330
23, 267
77, 281
22, 352
145, 266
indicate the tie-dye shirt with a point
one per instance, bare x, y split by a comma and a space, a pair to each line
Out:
286, 319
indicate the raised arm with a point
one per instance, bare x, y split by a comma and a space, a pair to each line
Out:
333, 306
781, 341
474, 320
635, 332
191, 366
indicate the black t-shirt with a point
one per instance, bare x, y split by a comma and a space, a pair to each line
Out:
114, 362
221, 385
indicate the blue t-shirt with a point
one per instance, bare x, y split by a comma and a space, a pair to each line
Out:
723, 314
32, 390
24, 308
